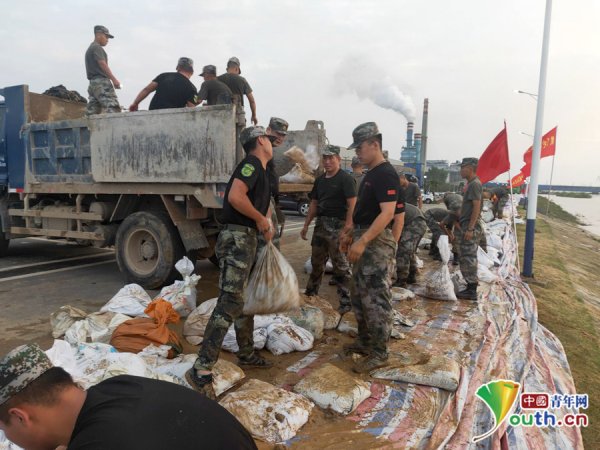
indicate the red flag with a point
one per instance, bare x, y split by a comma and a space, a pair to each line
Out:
548, 148
494, 160
518, 180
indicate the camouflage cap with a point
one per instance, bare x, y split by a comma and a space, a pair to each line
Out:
278, 125
209, 70
363, 132
250, 133
104, 30
469, 162
355, 162
331, 150
19, 368
236, 61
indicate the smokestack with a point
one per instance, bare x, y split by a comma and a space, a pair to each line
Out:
409, 134
424, 134
418, 146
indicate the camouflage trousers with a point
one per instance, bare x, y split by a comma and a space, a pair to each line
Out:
102, 97
434, 227
406, 260
370, 291
467, 252
275, 220
237, 248
326, 244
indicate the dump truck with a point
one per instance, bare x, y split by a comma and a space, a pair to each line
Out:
149, 183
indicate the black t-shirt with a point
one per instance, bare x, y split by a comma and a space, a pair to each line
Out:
273, 181
251, 172
412, 193
380, 185
237, 84
134, 413
174, 91
332, 194
215, 92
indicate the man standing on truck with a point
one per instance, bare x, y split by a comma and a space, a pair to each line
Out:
215, 92
278, 129
173, 89
332, 202
239, 87
101, 90
245, 215
372, 249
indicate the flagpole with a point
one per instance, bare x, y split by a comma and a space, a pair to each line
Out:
513, 210
550, 187
537, 149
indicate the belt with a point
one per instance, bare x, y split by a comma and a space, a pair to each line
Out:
242, 228
364, 227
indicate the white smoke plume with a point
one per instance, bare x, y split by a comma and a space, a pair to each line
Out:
365, 78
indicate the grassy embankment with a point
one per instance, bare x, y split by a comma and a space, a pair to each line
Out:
566, 286
569, 194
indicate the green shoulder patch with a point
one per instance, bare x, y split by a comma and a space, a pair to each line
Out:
248, 170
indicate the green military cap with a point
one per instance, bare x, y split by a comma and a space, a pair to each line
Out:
250, 133
278, 125
19, 368
208, 70
331, 150
104, 30
185, 61
363, 132
355, 161
234, 60
469, 162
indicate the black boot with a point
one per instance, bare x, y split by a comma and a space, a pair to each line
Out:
412, 277
469, 293
455, 259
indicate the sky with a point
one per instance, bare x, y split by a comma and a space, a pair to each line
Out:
326, 60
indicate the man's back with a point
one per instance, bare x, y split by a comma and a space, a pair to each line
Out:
174, 90
412, 194
215, 92
95, 53
127, 412
238, 85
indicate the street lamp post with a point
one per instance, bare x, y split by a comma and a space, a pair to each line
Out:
537, 149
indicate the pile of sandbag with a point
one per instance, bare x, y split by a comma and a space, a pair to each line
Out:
305, 163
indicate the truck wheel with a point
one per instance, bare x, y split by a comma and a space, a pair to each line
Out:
148, 246
303, 208
3, 244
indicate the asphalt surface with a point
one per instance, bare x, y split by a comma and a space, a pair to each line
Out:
38, 276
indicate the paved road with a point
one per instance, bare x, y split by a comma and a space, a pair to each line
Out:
39, 275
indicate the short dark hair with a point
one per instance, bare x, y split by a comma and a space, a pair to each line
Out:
42, 391
377, 138
250, 145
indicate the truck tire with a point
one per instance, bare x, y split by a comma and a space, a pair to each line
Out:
148, 246
303, 208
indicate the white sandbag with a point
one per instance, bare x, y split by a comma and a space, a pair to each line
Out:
486, 275
230, 342
61, 320
182, 293
77, 333
425, 243
399, 294
312, 157
438, 284
273, 285
438, 371
225, 376
494, 255
61, 354
131, 300
269, 413
348, 325
330, 387
493, 240
195, 324
285, 338
102, 325
308, 266
310, 318
331, 316
297, 176
483, 258
419, 262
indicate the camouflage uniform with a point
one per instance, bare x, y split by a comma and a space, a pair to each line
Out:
237, 248
326, 243
406, 261
371, 294
102, 97
468, 252
433, 217
19, 368
276, 238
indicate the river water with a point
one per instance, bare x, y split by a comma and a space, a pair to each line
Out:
587, 208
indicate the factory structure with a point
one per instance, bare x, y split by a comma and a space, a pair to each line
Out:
414, 154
